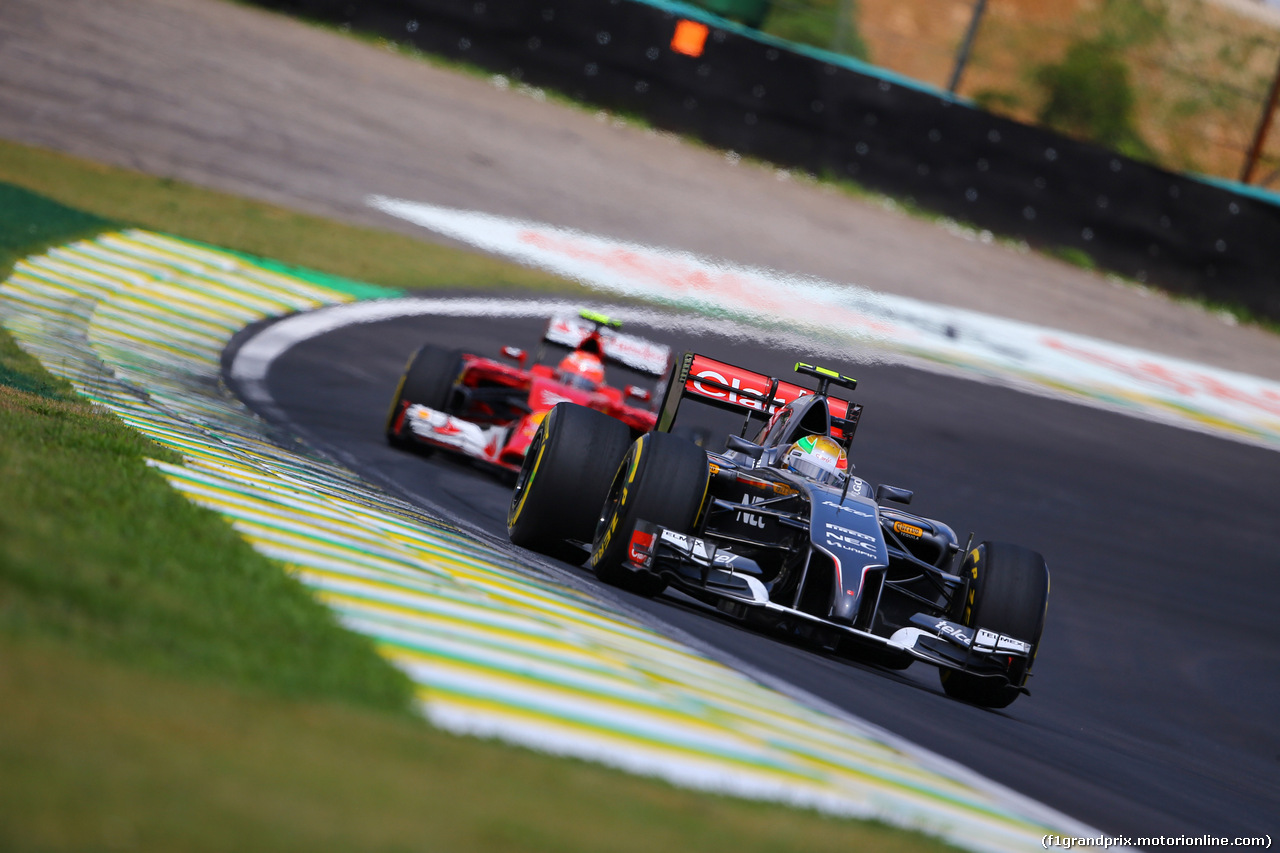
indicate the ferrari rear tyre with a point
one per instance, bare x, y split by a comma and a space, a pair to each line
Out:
663, 480
428, 380
1008, 594
565, 477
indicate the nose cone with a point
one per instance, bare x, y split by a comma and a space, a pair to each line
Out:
846, 606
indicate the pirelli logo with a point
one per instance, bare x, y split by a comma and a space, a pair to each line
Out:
907, 529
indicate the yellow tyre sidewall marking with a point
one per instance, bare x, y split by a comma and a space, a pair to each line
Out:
514, 516
620, 508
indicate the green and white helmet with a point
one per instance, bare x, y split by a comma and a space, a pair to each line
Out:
818, 458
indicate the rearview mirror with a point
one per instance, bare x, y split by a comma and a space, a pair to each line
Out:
516, 354
635, 392
893, 493
741, 445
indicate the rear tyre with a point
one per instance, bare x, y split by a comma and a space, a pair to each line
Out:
1009, 594
564, 479
428, 380
663, 480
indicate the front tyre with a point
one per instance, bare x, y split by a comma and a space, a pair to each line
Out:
428, 380
662, 480
564, 478
1008, 594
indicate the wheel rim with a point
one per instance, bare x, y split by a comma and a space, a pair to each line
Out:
525, 475
611, 502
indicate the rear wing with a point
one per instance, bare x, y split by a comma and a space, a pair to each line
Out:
627, 350
734, 388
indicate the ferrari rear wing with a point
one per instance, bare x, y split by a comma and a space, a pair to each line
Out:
734, 388
627, 350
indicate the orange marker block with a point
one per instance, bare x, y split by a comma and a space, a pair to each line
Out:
690, 38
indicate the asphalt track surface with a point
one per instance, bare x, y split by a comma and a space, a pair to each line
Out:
1156, 688
1158, 685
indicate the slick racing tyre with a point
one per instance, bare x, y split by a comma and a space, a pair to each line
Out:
565, 477
428, 380
1008, 594
663, 480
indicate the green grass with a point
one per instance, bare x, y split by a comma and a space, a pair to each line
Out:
103, 756
1074, 256
21, 372
167, 688
29, 221
99, 551
1232, 313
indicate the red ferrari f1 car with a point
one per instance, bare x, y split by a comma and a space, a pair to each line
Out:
489, 410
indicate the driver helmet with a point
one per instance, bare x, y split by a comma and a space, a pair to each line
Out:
581, 370
819, 458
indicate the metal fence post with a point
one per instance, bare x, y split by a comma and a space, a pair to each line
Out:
962, 56
1260, 135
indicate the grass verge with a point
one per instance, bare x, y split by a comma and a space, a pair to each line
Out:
363, 254
167, 688
97, 550
102, 756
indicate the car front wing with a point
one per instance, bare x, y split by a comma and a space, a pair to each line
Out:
435, 428
732, 584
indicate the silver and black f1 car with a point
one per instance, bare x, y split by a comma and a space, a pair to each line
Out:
825, 560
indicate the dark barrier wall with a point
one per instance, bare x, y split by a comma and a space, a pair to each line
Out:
759, 98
